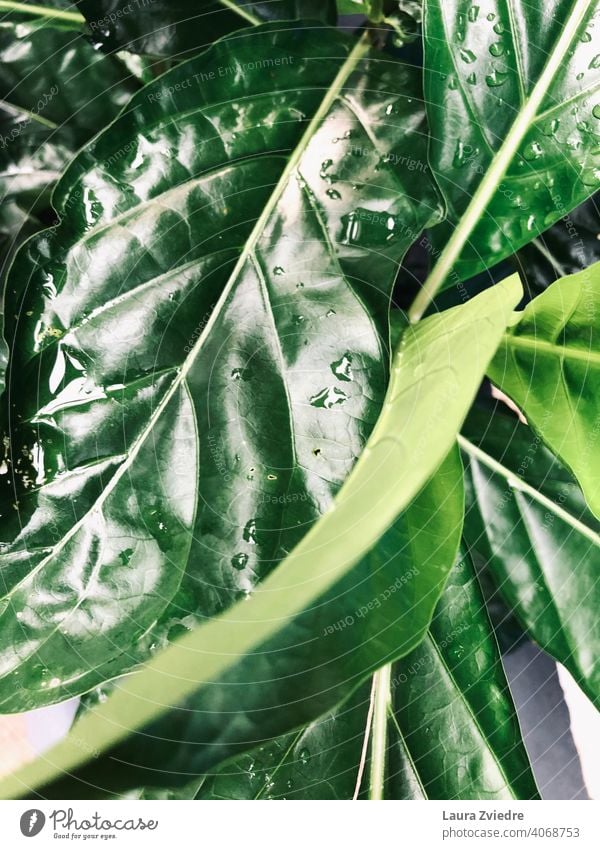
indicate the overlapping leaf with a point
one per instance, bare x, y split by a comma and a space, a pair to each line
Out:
452, 728
379, 611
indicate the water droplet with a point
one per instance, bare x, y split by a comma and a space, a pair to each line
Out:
497, 48
126, 556
54, 682
249, 533
467, 55
595, 63
452, 83
596, 111
499, 28
239, 561
496, 78
325, 166
236, 373
532, 151
304, 756
278, 271
342, 368
329, 313
590, 177
579, 76
48, 286
329, 397
550, 127
459, 154
92, 208
530, 224
333, 194
491, 16
472, 79
271, 477
368, 228
298, 319
473, 14
585, 37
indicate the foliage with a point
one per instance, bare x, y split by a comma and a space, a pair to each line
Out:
227, 465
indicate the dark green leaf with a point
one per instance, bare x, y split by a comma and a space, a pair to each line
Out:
549, 364
231, 235
482, 64
528, 521
174, 28
52, 75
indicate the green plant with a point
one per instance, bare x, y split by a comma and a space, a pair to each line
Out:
227, 465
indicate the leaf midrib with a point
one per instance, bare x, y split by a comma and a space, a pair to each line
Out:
519, 484
563, 352
42, 11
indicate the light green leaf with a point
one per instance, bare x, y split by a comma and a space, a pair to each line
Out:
549, 364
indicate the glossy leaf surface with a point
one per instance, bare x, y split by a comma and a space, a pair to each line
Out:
482, 63
174, 28
528, 523
549, 364
221, 235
